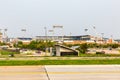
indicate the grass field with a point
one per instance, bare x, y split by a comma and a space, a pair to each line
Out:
83, 59
58, 62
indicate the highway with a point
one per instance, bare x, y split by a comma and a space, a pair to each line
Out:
60, 72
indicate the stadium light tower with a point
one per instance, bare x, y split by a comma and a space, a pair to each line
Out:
45, 32
96, 35
59, 26
86, 30
52, 31
24, 32
5, 34
102, 35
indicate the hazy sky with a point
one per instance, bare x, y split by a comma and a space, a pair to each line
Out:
73, 15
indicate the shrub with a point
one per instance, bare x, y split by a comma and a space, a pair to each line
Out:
102, 52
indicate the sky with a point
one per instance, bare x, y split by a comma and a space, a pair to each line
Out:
98, 16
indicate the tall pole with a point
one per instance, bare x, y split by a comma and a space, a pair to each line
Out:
102, 35
58, 26
96, 37
5, 35
46, 41
86, 31
45, 32
70, 36
62, 35
24, 31
52, 31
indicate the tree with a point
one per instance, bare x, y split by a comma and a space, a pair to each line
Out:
83, 48
39, 45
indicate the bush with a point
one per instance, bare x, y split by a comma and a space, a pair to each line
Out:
83, 48
102, 52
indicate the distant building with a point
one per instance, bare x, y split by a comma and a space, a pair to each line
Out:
72, 39
24, 40
77, 39
65, 38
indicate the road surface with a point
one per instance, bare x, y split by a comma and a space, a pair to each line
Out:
22, 73
84, 72
60, 72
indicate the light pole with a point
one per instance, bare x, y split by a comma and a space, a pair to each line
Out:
24, 31
70, 36
45, 33
45, 40
5, 35
86, 31
102, 36
52, 31
96, 35
59, 26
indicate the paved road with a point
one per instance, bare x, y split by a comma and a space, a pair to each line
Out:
84, 72
22, 73
60, 72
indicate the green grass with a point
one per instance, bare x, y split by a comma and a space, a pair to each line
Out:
99, 55
7, 52
57, 62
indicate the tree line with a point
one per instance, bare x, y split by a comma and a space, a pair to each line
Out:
36, 45
42, 45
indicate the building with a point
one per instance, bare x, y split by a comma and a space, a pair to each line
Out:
72, 39
64, 38
21, 39
65, 51
25, 40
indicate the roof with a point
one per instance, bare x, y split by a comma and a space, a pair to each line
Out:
66, 47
